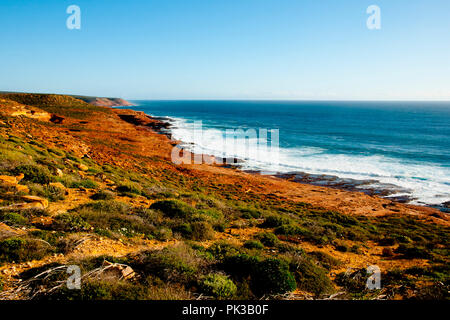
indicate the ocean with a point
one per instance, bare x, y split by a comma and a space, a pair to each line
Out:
399, 150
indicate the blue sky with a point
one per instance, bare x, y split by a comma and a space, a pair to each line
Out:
228, 49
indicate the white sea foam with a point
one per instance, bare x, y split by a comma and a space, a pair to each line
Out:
428, 183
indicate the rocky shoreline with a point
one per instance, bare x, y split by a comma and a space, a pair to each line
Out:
370, 187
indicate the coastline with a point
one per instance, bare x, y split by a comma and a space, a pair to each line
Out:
165, 124
122, 197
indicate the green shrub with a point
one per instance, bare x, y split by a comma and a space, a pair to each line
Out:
400, 238
274, 221
253, 244
220, 227
202, 231
178, 263
12, 218
130, 187
289, 230
249, 213
70, 222
113, 219
163, 234
268, 239
212, 214
103, 195
325, 260
413, 252
198, 231
10, 249
174, 208
20, 250
106, 289
239, 265
269, 276
272, 276
52, 237
222, 249
84, 183
217, 285
35, 174
289, 248
310, 277
57, 152
184, 229
53, 193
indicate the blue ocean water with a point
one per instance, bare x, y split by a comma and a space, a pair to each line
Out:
402, 145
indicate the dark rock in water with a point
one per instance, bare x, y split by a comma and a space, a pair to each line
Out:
141, 119
230, 161
444, 207
370, 187
402, 198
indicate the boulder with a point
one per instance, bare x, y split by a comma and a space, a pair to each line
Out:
36, 200
82, 167
109, 182
8, 180
59, 185
118, 271
14, 182
22, 188
59, 172
8, 232
24, 206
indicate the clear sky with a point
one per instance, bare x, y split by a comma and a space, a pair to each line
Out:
228, 49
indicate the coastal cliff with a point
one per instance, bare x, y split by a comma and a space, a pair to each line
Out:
85, 184
105, 102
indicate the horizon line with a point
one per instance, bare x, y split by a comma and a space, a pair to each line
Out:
238, 99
